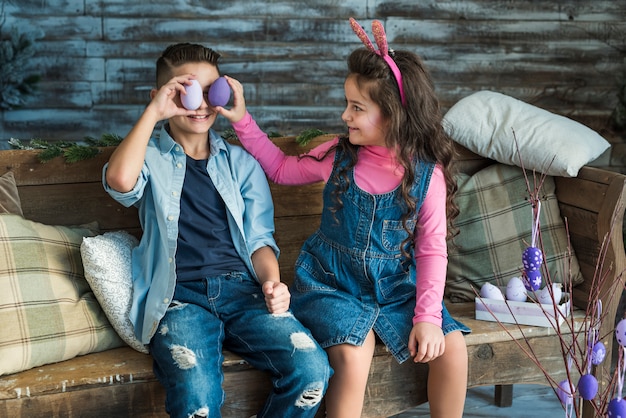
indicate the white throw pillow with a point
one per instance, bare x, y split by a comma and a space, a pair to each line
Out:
484, 123
107, 266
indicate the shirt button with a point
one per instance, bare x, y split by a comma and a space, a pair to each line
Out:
174, 194
179, 165
177, 149
166, 300
170, 260
170, 218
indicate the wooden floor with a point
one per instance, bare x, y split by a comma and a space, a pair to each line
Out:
528, 401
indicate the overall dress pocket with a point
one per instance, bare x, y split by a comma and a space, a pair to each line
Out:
311, 275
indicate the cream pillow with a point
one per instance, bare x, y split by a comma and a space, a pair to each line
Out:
484, 123
107, 264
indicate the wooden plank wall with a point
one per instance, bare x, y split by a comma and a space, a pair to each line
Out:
96, 58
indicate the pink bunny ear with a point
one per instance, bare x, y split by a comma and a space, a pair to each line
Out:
383, 50
358, 29
380, 37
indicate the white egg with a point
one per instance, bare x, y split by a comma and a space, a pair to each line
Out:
489, 291
546, 298
515, 290
193, 97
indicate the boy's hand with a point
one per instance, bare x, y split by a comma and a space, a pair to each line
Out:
277, 296
166, 100
426, 342
238, 111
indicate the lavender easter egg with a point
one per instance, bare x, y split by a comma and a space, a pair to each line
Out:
564, 392
598, 353
533, 280
588, 386
620, 332
515, 290
193, 99
549, 297
532, 258
219, 92
489, 291
617, 408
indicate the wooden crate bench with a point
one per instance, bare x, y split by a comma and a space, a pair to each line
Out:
120, 382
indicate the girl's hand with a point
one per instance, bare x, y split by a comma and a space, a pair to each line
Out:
426, 342
277, 296
238, 111
166, 100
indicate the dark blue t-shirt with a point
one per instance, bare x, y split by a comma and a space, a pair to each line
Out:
205, 246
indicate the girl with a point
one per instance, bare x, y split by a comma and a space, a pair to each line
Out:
377, 264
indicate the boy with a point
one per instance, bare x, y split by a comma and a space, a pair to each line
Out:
206, 273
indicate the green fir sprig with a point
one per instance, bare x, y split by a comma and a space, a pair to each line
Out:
307, 135
71, 151
302, 139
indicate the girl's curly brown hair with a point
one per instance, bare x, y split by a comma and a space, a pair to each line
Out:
415, 130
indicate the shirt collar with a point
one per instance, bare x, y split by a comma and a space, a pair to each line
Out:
166, 143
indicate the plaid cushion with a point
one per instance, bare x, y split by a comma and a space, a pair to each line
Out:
47, 310
495, 227
9, 197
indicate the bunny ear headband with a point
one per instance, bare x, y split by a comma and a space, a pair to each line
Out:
383, 49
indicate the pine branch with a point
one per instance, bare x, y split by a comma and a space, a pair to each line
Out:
71, 151
306, 136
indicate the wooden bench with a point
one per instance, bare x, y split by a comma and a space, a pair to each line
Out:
120, 382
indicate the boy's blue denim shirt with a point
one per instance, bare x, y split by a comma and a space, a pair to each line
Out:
250, 215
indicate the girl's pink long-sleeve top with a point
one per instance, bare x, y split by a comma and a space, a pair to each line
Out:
376, 172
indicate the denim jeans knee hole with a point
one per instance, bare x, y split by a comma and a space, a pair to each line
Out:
310, 398
301, 341
283, 315
202, 412
176, 305
183, 357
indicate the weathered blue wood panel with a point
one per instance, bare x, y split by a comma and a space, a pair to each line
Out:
96, 59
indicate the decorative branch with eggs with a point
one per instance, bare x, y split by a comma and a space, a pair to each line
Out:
581, 345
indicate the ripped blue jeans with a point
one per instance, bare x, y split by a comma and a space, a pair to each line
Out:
228, 311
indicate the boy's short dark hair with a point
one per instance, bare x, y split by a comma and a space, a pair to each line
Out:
182, 53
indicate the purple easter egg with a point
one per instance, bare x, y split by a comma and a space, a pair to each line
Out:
533, 280
219, 92
598, 352
532, 258
564, 392
193, 99
620, 332
617, 408
588, 386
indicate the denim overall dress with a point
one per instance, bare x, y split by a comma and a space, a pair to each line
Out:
351, 275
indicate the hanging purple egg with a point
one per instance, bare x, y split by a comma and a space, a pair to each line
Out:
620, 332
588, 387
617, 408
564, 392
532, 258
533, 280
219, 92
598, 352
